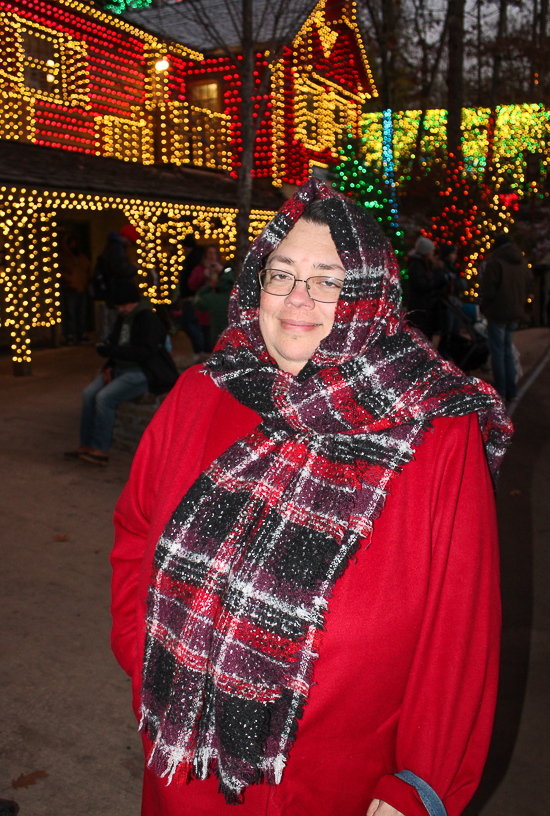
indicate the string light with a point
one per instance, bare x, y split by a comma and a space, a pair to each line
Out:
477, 200
77, 78
388, 165
518, 130
319, 87
31, 274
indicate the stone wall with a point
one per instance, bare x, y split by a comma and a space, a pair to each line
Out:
132, 418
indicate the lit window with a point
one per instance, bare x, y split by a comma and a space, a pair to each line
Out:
40, 62
205, 95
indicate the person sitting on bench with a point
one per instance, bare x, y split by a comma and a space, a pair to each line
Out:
137, 361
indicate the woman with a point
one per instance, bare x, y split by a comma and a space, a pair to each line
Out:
320, 610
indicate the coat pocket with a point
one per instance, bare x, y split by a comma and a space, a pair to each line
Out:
387, 735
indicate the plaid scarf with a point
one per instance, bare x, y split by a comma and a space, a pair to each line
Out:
245, 567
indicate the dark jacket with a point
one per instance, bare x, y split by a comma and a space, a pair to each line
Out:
506, 284
113, 264
190, 263
146, 348
426, 285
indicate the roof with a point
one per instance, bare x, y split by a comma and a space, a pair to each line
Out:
55, 169
272, 20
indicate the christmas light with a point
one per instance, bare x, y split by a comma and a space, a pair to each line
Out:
77, 78
31, 240
474, 207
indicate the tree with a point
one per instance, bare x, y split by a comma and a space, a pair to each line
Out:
239, 29
369, 189
431, 53
383, 21
455, 85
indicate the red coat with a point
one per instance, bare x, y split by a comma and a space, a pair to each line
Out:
408, 665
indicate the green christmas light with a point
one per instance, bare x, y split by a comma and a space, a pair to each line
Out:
369, 188
121, 6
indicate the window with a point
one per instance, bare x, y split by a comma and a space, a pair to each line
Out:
205, 95
44, 62
40, 62
321, 117
38, 47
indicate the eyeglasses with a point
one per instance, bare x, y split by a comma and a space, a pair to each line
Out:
320, 288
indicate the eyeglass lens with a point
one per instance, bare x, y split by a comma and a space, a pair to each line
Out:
319, 287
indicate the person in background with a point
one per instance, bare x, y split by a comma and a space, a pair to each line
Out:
137, 361
213, 298
113, 264
75, 271
211, 264
454, 288
305, 571
505, 287
426, 285
183, 311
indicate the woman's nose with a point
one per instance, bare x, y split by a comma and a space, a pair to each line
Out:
299, 296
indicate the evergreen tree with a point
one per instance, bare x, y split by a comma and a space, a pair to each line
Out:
369, 189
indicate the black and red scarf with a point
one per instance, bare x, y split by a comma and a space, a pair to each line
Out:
245, 567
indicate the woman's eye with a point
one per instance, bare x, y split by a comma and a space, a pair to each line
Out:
280, 276
331, 283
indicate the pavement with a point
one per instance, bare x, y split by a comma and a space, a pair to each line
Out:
68, 738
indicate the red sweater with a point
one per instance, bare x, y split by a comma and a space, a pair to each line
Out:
408, 665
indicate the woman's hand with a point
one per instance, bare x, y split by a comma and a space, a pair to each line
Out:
382, 809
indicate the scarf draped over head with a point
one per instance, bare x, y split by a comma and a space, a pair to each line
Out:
244, 569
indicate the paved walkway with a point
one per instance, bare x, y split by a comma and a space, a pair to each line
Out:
65, 703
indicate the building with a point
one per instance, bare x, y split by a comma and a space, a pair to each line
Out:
104, 122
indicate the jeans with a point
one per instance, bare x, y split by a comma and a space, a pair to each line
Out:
190, 325
74, 304
500, 337
99, 403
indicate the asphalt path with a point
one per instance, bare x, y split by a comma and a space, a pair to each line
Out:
517, 774
67, 732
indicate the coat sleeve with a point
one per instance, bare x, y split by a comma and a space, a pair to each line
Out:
420, 279
132, 521
447, 711
204, 299
490, 281
147, 334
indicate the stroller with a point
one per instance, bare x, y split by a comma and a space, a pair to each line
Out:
467, 348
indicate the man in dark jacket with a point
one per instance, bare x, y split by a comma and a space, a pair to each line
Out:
506, 284
137, 361
112, 265
426, 285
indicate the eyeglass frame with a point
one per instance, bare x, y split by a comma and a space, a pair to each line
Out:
299, 280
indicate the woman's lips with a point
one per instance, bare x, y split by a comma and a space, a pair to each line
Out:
298, 326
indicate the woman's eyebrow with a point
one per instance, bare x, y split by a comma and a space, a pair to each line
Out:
281, 259
325, 266
322, 265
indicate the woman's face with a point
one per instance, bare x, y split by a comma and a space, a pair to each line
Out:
211, 255
293, 326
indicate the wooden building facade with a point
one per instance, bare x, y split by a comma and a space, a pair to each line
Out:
142, 113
